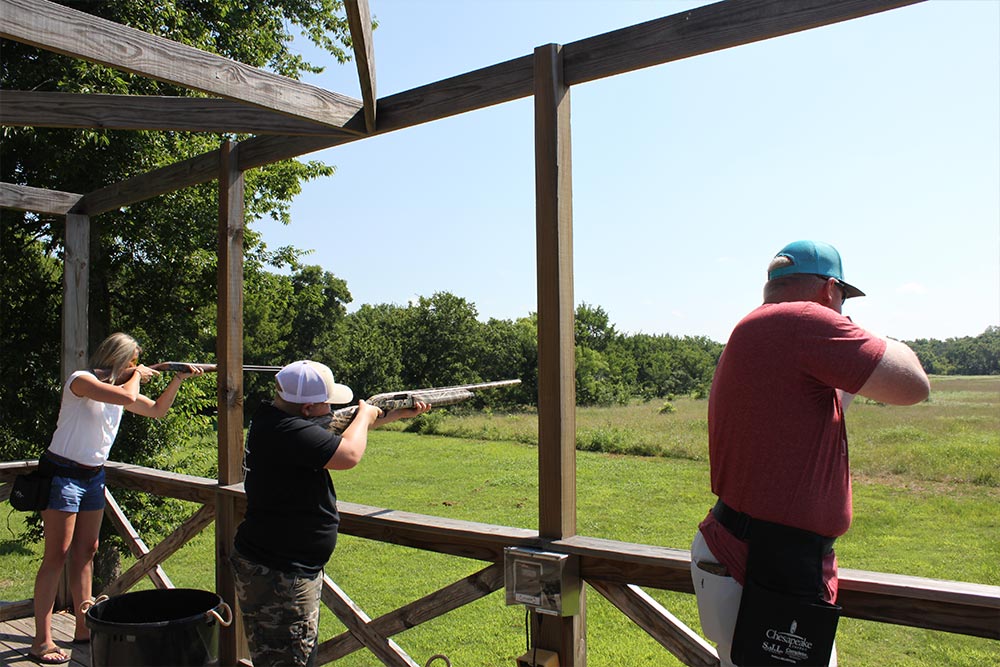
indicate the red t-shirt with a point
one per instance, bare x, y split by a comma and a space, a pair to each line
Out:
777, 440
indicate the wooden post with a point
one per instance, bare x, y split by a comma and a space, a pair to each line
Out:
76, 294
556, 337
229, 350
76, 299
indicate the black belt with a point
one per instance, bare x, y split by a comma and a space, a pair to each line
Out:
51, 468
740, 525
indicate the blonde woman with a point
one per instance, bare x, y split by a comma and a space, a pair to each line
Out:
89, 415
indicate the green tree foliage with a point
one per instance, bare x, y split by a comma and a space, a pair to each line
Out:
979, 355
152, 264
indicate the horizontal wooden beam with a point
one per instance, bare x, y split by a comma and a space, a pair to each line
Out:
37, 200
695, 32
140, 112
675, 37
54, 27
707, 29
959, 607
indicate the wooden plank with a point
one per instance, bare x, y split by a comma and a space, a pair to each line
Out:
960, 607
160, 482
359, 21
16, 637
667, 40
229, 352
200, 169
627, 563
148, 112
76, 294
74, 33
508, 81
133, 541
466, 539
162, 551
686, 644
711, 28
429, 607
969, 609
355, 620
19, 609
37, 200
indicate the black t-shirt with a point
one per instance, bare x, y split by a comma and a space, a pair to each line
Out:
291, 520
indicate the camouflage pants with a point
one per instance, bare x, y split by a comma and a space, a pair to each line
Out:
280, 613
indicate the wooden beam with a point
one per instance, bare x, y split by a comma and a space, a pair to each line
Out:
160, 482
53, 27
429, 607
148, 112
360, 22
193, 171
133, 541
37, 200
512, 80
659, 623
711, 28
682, 35
229, 352
960, 607
358, 623
76, 294
162, 551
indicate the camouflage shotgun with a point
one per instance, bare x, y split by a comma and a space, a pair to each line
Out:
435, 396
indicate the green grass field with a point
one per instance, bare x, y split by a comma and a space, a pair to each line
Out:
926, 496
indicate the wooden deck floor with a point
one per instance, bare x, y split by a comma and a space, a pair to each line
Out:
16, 636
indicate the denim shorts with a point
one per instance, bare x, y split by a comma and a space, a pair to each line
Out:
77, 495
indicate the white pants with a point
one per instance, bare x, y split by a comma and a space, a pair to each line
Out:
719, 602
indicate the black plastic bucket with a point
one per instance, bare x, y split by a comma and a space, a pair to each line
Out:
168, 627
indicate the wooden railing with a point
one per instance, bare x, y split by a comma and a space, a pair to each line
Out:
616, 570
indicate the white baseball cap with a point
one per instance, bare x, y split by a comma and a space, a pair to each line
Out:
311, 382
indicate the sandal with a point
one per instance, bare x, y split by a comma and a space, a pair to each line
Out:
51, 656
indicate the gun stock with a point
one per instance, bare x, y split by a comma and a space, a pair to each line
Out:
435, 396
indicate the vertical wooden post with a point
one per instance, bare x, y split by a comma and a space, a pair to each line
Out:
76, 294
229, 350
556, 337
76, 300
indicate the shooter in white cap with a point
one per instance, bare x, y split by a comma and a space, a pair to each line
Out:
290, 528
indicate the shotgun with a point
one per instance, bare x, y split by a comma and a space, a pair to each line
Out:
180, 367
437, 396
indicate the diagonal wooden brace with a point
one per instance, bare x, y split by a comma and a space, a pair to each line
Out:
661, 625
358, 622
438, 603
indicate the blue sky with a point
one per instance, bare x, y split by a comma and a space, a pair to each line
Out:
879, 135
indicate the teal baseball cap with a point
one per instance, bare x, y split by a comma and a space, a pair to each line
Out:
815, 258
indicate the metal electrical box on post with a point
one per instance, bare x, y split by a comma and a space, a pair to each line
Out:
545, 581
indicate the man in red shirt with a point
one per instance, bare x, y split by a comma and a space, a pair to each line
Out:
779, 457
